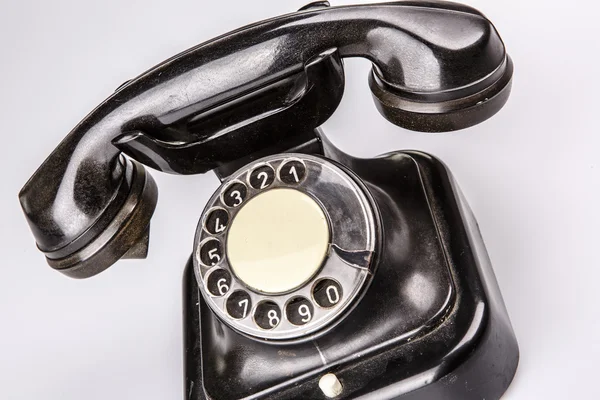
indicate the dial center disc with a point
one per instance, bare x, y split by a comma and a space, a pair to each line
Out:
278, 241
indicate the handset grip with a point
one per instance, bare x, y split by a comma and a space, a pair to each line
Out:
430, 59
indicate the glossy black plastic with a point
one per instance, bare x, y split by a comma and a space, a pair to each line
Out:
432, 325
436, 66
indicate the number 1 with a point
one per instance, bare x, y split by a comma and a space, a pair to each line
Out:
293, 172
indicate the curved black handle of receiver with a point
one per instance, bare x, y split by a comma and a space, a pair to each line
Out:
437, 66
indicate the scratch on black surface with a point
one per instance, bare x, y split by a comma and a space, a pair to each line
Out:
190, 391
323, 359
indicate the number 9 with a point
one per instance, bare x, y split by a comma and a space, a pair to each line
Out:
304, 311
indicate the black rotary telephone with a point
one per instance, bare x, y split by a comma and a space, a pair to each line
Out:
313, 274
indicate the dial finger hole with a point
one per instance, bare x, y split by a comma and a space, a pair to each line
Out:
262, 177
218, 282
292, 172
211, 252
216, 222
267, 315
299, 311
327, 293
238, 304
235, 194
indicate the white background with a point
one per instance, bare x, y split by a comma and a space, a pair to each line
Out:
531, 175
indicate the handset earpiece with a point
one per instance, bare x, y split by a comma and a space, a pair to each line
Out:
430, 115
259, 90
454, 73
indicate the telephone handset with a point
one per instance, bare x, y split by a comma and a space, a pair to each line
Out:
314, 274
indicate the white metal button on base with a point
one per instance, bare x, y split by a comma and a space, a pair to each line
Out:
278, 241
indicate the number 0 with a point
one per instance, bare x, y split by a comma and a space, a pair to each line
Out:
332, 294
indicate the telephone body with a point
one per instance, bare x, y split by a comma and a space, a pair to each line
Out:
314, 274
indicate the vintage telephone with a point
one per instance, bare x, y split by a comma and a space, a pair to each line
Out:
313, 274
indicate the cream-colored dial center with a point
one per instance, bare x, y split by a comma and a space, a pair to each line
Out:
278, 240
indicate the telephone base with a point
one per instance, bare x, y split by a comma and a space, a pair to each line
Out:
432, 325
